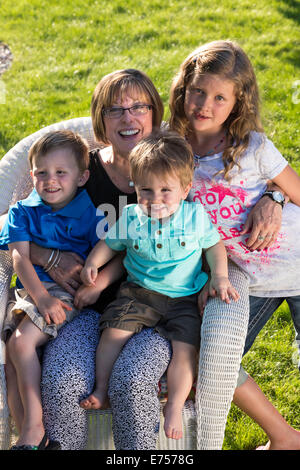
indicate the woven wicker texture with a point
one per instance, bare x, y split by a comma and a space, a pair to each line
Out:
223, 335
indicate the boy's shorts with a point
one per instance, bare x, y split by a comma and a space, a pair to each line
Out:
135, 307
23, 304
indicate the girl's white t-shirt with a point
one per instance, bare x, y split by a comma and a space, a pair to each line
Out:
274, 272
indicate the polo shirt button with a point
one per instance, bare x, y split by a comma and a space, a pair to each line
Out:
136, 247
158, 232
159, 245
182, 243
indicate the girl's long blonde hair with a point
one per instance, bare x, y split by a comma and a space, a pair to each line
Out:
225, 58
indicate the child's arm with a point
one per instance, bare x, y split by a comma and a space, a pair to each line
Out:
88, 295
51, 308
100, 255
219, 283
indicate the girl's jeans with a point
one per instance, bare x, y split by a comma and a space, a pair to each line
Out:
262, 308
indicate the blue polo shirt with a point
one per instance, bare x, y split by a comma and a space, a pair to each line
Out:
77, 227
166, 257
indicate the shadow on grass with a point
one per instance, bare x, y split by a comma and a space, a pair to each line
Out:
291, 10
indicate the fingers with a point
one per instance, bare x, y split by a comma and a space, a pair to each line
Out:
47, 319
224, 295
233, 293
78, 301
58, 317
225, 292
247, 225
78, 259
88, 276
74, 284
66, 306
262, 240
263, 224
57, 313
202, 301
94, 274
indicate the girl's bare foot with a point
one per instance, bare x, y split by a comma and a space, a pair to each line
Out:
96, 400
173, 420
265, 447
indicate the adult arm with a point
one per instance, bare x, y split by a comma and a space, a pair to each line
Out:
66, 273
264, 220
51, 308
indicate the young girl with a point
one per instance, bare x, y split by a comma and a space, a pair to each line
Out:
214, 104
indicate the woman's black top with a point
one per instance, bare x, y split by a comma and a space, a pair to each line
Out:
103, 191
100, 187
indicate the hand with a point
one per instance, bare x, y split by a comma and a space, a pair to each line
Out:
263, 223
202, 298
221, 286
89, 275
52, 309
86, 295
67, 273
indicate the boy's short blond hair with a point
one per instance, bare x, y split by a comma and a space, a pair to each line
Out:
61, 139
162, 153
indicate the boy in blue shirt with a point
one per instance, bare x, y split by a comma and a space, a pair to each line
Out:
57, 214
163, 236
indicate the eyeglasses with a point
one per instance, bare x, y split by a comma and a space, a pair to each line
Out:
136, 110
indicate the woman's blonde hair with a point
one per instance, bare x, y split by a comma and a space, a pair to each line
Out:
225, 58
162, 153
112, 86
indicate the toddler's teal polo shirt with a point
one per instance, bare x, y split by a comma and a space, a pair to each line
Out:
166, 257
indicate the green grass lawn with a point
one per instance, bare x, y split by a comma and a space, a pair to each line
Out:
62, 49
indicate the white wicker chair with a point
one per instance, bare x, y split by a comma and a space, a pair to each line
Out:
15, 184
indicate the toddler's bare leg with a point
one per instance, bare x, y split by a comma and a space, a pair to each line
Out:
22, 351
111, 343
180, 376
